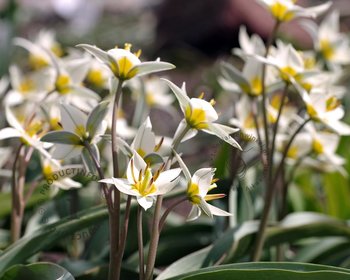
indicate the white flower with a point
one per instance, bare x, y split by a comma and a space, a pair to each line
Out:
28, 132
30, 87
252, 45
286, 10
329, 42
124, 64
325, 108
140, 181
198, 187
200, 115
78, 129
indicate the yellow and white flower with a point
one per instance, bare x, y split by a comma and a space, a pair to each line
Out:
198, 186
200, 115
124, 64
286, 10
143, 184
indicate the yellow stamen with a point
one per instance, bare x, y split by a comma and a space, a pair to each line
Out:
332, 103
63, 84
95, 77
327, 49
317, 147
201, 95
196, 118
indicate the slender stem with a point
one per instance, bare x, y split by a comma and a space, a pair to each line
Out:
140, 243
271, 189
167, 212
114, 220
275, 129
100, 173
17, 196
152, 253
263, 94
123, 236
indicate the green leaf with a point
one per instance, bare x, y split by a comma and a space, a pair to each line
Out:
96, 117
47, 235
268, 271
36, 271
188, 263
61, 137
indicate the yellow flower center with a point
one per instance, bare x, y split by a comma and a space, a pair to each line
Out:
37, 61
287, 72
332, 103
256, 84
312, 112
47, 170
327, 49
63, 84
317, 147
249, 121
80, 130
95, 77
150, 100
54, 124
144, 185
193, 193
292, 152
281, 12
196, 118
27, 85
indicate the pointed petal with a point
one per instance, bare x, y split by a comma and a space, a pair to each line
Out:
96, 52
180, 94
63, 151
221, 133
12, 120
145, 202
202, 178
233, 74
96, 118
145, 139
72, 118
183, 166
194, 213
9, 132
205, 208
167, 180
152, 66
217, 211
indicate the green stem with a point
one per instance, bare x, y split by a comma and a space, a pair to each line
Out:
152, 253
17, 195
114, 221
275, 129
140, 243
271, 189
123, 237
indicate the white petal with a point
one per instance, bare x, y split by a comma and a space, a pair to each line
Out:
221, 133
145, 138
146, 202
153, 66
202, 178
217, 211
63, 151
194, 213
210, 113
180, 94
134, 169
183, 166
12, 120
167, 180
9, 132
205, 208
190, 134
97, 52
71, 118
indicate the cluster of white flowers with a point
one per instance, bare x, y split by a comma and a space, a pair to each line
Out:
295, 86
56, 108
